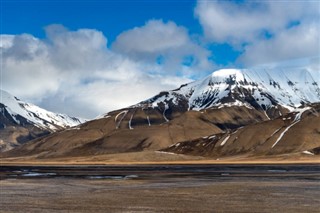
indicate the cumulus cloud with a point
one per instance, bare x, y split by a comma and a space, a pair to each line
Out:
264, 31
165, 43
297, 42
26, 69
83, 49
155, 36
74, 72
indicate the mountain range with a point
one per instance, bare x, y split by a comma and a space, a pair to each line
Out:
21, 121
230, 113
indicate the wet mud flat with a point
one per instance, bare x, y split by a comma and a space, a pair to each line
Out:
160, 188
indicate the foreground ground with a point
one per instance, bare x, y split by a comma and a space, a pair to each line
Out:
201, 188
156, 157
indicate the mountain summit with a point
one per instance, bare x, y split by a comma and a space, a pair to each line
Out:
262, 89
21, 121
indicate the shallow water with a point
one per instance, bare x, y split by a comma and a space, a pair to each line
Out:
161, 188
310, 171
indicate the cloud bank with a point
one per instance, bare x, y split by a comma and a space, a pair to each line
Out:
265, 31
168, 43
74, 72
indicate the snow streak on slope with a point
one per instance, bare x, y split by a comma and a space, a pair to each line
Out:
36, 115
295, 121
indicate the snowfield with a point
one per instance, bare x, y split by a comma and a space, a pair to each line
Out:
36, 115
269, 87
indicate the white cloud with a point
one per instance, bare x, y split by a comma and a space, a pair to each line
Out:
155, 36
265, 30
298, 42
74, 72
101, 96
83, 49
165, 41
26, 69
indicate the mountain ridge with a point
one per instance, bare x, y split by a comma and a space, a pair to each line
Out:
227, 87
21, 121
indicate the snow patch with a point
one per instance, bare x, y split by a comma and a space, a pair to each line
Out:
168, 153
124, 114
225, 140
275, 132
300, 112
307, 152
211, 137
148, 120
164, 113
130, 127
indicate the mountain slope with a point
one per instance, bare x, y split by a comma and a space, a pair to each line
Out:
297, 132
21, 121
227, 101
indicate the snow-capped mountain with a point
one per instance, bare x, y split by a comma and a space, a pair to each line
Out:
23, 113
230, 112
260, 88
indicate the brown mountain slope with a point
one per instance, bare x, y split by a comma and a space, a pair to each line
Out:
137, 129
13, 134
21, 122
292, 133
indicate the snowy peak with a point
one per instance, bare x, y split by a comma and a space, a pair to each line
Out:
259, 88
22, 113
227, 75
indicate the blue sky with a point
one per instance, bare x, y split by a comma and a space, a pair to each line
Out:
112, 17
85, 58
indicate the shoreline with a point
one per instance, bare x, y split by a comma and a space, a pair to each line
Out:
155, 158
159, 163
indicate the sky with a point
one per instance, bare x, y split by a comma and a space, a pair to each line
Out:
85, 58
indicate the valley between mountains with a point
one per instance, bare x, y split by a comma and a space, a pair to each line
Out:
265, 114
